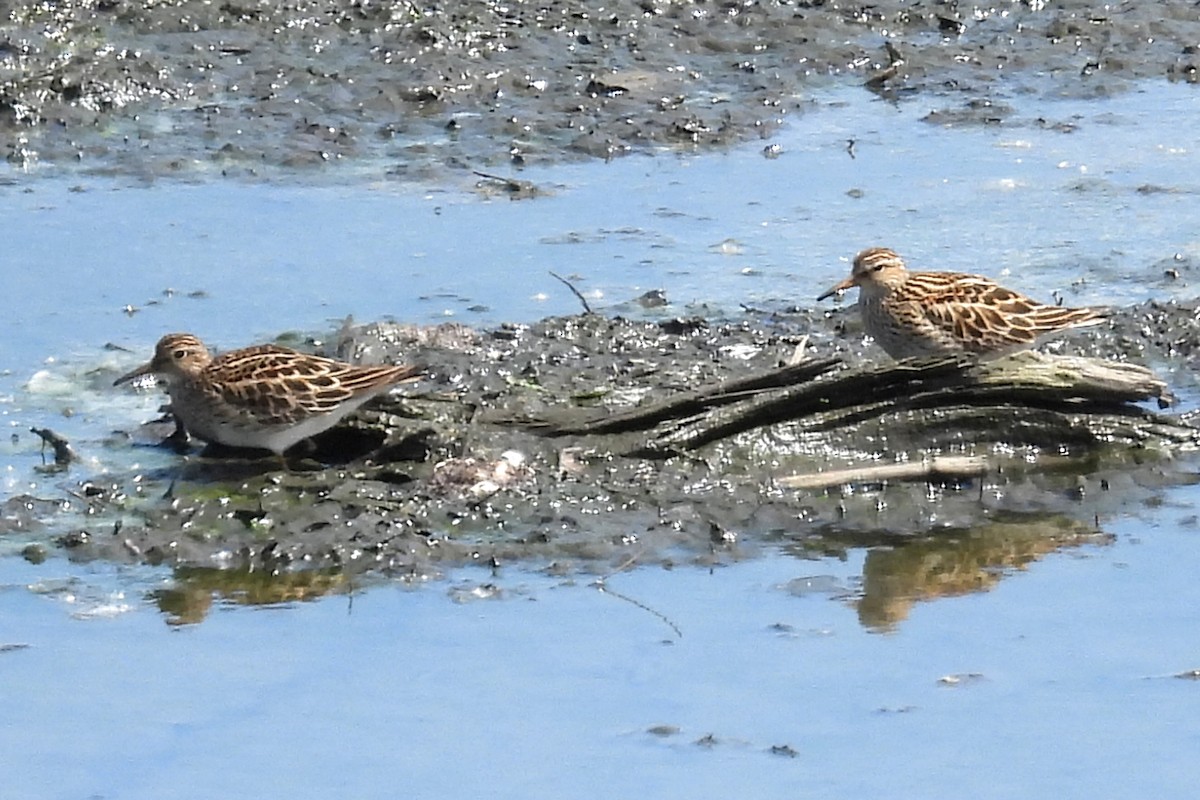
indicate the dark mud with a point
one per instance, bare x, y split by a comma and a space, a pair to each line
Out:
447, 474
187, 87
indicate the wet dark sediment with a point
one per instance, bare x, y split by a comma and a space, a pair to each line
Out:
156, 89
453, 477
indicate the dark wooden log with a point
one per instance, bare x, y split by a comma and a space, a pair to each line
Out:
928, 404
1026, 398
692, 403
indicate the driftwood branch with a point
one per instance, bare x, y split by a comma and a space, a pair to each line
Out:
1027, 398
840, 400
688, 404
914, 405
937, 467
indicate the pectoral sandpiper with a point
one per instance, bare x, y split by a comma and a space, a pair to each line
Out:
265, 397
934, 313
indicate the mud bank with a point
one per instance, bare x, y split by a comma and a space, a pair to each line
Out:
451, 474
189, 87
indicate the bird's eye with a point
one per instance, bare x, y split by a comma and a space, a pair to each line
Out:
876, 268
178, 354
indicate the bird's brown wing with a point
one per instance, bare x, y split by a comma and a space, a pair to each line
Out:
275, 385
985, 316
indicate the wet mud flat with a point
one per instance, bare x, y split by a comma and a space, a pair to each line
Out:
459, 470
248, 89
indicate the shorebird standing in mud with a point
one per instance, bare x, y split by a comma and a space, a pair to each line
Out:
266, 397
934, 313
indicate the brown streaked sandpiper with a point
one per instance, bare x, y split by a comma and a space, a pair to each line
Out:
265, 397
935, 313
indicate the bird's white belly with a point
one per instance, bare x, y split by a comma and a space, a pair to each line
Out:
237, 430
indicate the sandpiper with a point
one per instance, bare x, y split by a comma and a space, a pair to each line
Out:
934, 313
265, 397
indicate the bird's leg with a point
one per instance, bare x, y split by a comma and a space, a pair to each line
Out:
179, 439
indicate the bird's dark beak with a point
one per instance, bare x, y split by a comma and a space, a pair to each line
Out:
849, 283
144, 369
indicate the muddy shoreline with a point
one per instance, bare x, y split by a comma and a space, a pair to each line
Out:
415, 91
453, 478
291, 91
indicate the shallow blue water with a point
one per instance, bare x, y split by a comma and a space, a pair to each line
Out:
550, 691
1102, 204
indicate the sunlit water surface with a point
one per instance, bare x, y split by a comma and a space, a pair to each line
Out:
1059, 681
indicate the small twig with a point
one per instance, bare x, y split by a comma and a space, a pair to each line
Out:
63, 454
586, 308
797, 355
77, 495
497, 178
938, 467
601, 585
517, 188
628, 563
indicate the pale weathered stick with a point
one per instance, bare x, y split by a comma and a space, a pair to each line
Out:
936, 467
